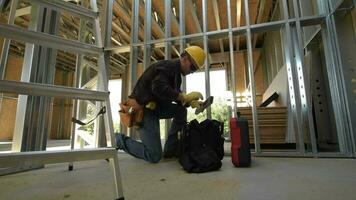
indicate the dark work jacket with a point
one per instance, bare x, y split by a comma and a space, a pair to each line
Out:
160, 82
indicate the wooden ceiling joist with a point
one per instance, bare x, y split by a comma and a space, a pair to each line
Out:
191, 20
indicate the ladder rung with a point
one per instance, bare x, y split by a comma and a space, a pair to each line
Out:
72, 8
47, 40
36, 89
49, 157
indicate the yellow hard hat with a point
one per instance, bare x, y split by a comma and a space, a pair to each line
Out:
197, 55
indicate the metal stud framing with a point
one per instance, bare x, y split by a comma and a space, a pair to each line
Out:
20, 138
133, 49
132, 72
293, 54
148, 23
333, 65
167, 47
347, 99
256, 131
182, 40
292, 30
232, 60
37, 80
167, 33
306, 112
292, 82
206, 50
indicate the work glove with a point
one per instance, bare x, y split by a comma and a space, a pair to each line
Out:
187, 98
151, 105
196, 104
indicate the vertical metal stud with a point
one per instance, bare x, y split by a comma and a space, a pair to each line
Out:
107, 19
333, 65
232, 60
292, 82
132, 72
256, 131
18, 143
347, 100
134, 49
167, 46
181, 39
304, 94
148, 25
347, 136
33, 113
167, 33
238, 21
46, 75
206, 49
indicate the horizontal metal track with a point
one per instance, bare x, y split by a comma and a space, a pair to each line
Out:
264, 27
36, 89
267, 26
60, 5
49, 157
47, 40
314, 20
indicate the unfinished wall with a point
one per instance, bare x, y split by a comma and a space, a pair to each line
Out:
241, 73
62, 108
60, 127
7, 118
259, 86
9, 102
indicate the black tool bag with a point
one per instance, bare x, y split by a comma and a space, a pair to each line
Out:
201, 146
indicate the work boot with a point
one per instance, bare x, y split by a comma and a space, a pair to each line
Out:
171, 154
120, 141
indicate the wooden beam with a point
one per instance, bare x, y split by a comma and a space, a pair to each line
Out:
120, 31
192, 15
238, 21
23, 11
264, 9
156, 29
159, 8
217, 21
125, 16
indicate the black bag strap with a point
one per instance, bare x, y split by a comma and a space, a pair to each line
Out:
101, 111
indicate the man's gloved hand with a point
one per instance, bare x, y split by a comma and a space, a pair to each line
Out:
187, 98
134, 104
196, 104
